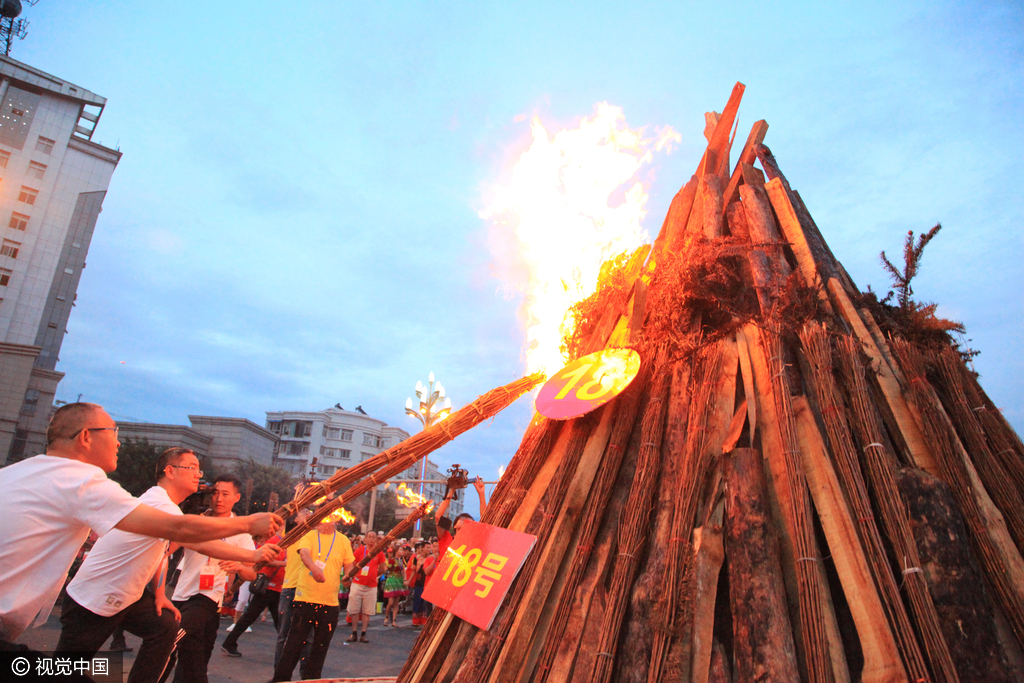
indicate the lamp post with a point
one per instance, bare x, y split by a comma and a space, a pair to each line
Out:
433, 407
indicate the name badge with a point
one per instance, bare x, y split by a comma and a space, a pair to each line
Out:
206, 576
321, 564
365, 571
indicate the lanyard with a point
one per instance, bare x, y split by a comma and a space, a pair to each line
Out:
335, 536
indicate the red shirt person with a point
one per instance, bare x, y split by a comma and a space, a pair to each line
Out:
362, 596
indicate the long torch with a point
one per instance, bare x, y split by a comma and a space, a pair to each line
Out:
397, 532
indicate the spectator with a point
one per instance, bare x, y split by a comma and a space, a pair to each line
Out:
51, 502
394, 585
325, 555
362, 597
420, 566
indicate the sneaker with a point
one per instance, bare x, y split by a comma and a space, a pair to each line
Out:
230, 651
230, 628
352, 638
248, 629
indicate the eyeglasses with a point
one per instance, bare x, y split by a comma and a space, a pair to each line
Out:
94, 429
188, 467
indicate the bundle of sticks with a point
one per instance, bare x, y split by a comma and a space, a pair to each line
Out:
385, 465
783, 493
391, 536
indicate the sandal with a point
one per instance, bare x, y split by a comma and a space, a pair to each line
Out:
352, 638
364, 640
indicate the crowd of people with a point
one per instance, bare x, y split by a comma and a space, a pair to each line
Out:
146, 546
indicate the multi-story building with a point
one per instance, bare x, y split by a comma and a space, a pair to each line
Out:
337, 439
218, 441
53, 179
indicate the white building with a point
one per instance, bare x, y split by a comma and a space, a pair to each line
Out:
53, 179
218, 441
338, 439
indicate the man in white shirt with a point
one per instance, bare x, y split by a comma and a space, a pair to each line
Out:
110, 588
51, 502
201, 586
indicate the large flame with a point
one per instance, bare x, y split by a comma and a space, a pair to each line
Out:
409, 498
558, 203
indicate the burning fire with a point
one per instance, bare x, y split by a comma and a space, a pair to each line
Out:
558, 204
409, 498
342, 515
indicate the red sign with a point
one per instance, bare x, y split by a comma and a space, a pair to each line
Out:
587, 383
477, 570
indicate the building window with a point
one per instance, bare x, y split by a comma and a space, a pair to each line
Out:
275, 427
382, 442
365, 456
4, 158
333, 433
69, 271
28, 195
369, 440
31, 401
19, 221
346, 435
36, 170
45, 145
5, 277
344, 453
326, 470
10, 248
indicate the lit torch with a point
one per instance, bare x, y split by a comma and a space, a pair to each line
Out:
409, 498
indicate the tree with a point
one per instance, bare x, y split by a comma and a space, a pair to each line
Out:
136, 465
265, 480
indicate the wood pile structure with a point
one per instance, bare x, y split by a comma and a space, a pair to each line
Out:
796, 486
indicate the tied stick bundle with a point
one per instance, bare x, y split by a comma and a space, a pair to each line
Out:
392, 535
383, 466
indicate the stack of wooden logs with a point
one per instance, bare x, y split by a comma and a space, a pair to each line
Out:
790, 499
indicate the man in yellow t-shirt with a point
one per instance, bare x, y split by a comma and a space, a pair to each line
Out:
293, 565
325, 555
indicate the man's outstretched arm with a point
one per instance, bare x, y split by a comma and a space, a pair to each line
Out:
149, 521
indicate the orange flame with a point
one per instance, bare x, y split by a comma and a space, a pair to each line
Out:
409, 498
556, 204
342, 515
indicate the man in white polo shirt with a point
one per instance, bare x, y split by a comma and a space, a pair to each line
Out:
110, 588
51, 502
201, 587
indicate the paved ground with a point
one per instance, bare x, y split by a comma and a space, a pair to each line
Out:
384, 655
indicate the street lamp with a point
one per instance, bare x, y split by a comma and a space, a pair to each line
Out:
433, 407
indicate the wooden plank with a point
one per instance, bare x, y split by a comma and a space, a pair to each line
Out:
718, 147
714, 213
763, 643
881, 656
710, 554
796, 237
748, 383
524, 627
747, 156
909, 423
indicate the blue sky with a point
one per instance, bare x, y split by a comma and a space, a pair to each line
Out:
295, 223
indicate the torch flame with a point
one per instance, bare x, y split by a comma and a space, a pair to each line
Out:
342, 515
409, 498
557, 204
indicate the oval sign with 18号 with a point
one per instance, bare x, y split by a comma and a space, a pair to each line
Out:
587, 383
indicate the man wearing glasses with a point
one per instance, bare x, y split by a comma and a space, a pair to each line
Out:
51, 502
110, 589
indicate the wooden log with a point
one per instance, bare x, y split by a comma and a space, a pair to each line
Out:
747, 156
763, 230
634, 525
720, 669
713, 400
711, 187
996, 551
878, 465
956, 582
760, 267
881, 656
677, 218
763, 648
907, 422
816, 616
709, 555
794, 235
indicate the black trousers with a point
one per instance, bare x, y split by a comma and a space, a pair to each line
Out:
257, 603
86, 631
199, 621
322, 619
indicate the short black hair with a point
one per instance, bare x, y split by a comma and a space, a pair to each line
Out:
464, 515
230, 478
69, 419
171, 456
